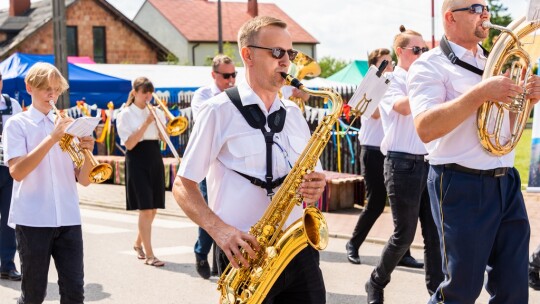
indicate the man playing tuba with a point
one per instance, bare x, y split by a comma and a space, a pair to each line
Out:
475, 196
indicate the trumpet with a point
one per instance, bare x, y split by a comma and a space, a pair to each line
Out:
68, 143
176, 125
163, 131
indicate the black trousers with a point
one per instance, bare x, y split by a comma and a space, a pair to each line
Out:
36, 246
372, 169
300, 282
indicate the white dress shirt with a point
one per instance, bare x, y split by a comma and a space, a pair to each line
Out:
433, 80
47, 196
222, 141
371, 132
201, 96
399, 132
131, 118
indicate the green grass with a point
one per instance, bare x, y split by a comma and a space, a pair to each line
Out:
523, 156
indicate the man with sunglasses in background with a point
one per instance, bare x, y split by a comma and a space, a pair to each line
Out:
475, 196
405, 176
244, 163
224, 75
8, 244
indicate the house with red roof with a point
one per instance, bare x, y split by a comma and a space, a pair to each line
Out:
189, 28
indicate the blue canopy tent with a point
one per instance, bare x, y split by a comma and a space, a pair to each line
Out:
93, 87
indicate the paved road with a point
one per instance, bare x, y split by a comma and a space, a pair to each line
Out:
114, 275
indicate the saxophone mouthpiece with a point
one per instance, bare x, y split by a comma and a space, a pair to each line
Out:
292, 81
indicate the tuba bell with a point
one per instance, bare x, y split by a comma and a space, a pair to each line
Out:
507, 56
305, 66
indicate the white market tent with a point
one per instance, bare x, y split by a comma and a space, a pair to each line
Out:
164, 77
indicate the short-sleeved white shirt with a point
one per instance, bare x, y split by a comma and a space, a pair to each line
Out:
222, 142
131, 118
371, 132
399, 132
433, 80
47, 196
201, 96
15, 107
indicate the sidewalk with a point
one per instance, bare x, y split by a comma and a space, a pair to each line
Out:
340, 223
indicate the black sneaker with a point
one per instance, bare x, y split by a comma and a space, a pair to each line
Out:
534, 279
203, 268
375, 295
12, 275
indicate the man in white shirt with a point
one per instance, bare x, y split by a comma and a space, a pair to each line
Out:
476, 197
45, 204
224, 75
8, 246
405, 172
226, 150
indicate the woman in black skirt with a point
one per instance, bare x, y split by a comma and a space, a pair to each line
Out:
145, 174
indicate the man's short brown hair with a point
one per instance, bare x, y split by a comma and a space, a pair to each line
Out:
220, 59
374, 56
247, 34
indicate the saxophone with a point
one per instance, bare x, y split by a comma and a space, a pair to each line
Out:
251, 284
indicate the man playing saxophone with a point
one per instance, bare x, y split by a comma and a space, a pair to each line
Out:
232, 155
45, 205
475, 196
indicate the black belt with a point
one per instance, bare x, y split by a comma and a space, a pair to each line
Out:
404, 155
497, 172
372, 148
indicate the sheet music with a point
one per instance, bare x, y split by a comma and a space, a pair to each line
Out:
83, 126
372, 89
533, 13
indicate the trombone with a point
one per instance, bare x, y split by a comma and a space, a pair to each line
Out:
176, 125
68, 143
163, 130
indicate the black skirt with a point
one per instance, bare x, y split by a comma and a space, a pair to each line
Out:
145, 177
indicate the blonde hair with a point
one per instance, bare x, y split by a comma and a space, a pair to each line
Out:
249, 30
140, 83
402, 39
43, 75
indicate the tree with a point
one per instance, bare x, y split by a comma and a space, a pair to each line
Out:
330, 65
499, 16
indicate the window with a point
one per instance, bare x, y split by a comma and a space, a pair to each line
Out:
100, 45
72, 39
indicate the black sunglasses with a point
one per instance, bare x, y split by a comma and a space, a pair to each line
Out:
474, 9
277, 52
227, 75
416, 49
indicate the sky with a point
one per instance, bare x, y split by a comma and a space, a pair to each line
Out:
350, 29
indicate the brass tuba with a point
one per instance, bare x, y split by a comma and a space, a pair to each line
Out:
70, 144
507, 56
278, 247
305, 66
175, 125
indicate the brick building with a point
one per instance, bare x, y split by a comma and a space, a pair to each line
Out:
94, 29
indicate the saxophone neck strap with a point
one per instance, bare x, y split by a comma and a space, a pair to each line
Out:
256, 119
447, 50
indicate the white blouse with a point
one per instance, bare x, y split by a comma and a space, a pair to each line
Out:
131, 118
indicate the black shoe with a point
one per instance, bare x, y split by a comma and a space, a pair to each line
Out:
203, 268
409, 261
534, 279
375, 295
12, 275
352, 254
